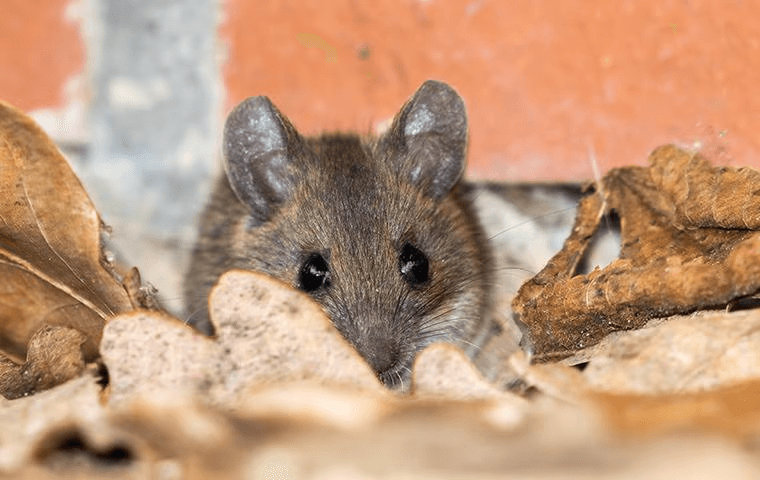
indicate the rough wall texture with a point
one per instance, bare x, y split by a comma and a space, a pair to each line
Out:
549, 85
153, 120
40, 48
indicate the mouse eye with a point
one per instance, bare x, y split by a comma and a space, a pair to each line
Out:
413, 265
314, 273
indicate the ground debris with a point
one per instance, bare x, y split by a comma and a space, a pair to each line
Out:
278, 392
687, 243
54, 356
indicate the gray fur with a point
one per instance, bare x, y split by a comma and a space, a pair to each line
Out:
356, 202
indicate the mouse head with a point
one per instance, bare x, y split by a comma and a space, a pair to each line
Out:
376, 231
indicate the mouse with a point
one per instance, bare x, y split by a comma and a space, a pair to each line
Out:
378, 230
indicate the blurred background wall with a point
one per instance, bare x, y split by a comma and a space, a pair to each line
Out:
135, 91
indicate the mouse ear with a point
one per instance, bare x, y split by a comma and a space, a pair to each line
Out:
428, 139
260, 147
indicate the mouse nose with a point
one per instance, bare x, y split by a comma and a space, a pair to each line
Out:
382, 356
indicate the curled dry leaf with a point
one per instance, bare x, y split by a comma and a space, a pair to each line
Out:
53, 357
51, 262
687, 243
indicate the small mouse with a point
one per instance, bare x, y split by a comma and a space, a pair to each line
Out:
380, 231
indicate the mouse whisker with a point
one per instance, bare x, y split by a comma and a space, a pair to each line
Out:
532, 220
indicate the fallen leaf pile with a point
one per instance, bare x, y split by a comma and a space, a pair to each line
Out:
278, 393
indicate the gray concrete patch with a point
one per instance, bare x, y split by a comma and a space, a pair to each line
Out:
153, 124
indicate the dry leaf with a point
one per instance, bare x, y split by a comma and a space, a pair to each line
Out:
677, 254
705, 350
146, 351
731, 411
266, 332
306, 433
54, 356
50, 251
307, 430
274, 333
27, 421
444, 371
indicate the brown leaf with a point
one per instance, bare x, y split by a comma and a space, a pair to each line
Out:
26, 420
444, 371
54, 357
707, 197
678, 253
266, 332
685, 354
50, 252
274, 333
732, 411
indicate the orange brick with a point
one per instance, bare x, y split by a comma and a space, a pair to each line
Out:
547, 83
39, 51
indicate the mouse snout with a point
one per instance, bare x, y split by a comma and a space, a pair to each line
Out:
375, 329
384, 354
381, 355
